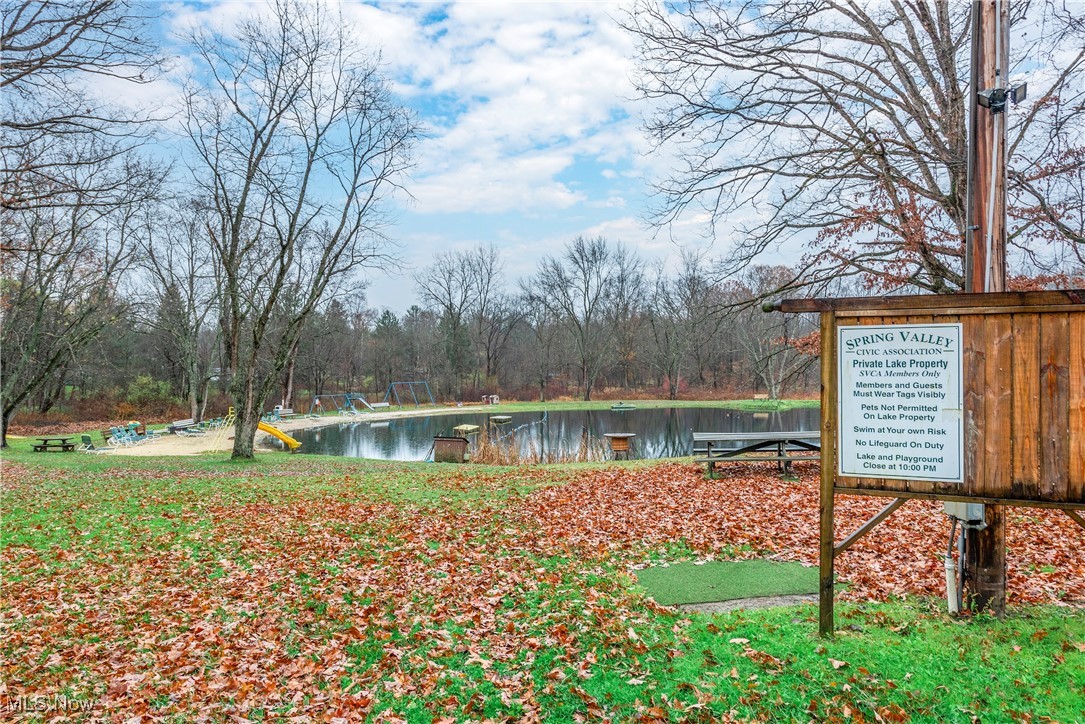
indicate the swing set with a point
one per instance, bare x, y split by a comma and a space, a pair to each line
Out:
347, 403
344, 403
395, 387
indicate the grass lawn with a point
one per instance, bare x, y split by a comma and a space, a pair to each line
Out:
707, 581
321, 587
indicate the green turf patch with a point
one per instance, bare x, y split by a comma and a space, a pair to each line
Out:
725, 581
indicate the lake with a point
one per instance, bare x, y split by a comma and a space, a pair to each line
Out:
660, 432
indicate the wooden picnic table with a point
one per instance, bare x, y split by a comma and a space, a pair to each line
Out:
55, 444
783, 448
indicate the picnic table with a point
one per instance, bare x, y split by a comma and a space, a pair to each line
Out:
55, 444
783, 448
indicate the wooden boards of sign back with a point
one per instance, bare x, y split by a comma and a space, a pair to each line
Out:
1024, 392
1022, 358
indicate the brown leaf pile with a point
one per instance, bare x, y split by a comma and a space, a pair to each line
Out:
334, 600
750, 511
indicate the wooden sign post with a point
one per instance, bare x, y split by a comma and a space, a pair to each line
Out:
975, 398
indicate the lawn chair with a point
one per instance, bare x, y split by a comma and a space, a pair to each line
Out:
87, 446
132, 432
118, 436
121, 435
149, 433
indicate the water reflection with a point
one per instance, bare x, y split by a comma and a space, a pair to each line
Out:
660, 432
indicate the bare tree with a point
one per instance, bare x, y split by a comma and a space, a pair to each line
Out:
495, 329
71, 189
629, 294
421, 357
846, 122
50, 51
545, 337
179, 271
61, 266
679, 313
490, 324
388, 352
767, 339
451, 284
578, 289
298, 140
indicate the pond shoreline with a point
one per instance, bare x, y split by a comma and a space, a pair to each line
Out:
659, 430
214, 442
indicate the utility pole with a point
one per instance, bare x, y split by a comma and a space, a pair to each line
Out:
984, 567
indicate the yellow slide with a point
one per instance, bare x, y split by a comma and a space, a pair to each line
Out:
276, 432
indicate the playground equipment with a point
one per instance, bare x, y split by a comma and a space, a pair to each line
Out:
341, 402
276, 432
344, 403
227, 424
393, 391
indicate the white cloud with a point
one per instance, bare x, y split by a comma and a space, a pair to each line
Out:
521, 183
537, 87
532, 133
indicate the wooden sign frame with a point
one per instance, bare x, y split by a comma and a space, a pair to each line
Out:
1023, 376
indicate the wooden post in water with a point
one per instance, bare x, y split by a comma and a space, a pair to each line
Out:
985, 254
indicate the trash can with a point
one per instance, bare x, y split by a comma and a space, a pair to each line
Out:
449, 449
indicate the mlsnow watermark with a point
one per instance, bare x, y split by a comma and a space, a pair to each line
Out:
54, 703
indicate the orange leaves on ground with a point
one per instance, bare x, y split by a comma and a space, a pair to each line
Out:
751, 512
330, 599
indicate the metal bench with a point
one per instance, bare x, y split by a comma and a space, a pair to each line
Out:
283, 413
178, 425
783, 448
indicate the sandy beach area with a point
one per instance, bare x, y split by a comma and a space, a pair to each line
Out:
221, 440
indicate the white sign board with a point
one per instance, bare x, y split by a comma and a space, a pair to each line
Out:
900, 392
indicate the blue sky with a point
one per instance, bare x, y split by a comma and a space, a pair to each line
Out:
532, 129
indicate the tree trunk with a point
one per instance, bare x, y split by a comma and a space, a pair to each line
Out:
51, 394
203, 401
247, 408
5, 421
193, 391
288, 388
248, 417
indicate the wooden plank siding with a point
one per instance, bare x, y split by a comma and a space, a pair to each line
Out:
975, 358
1025, 431
1076, 406
1054, 402
997, 415
1023, 368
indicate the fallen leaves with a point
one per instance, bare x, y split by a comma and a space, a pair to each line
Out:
153, 593
751, 512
